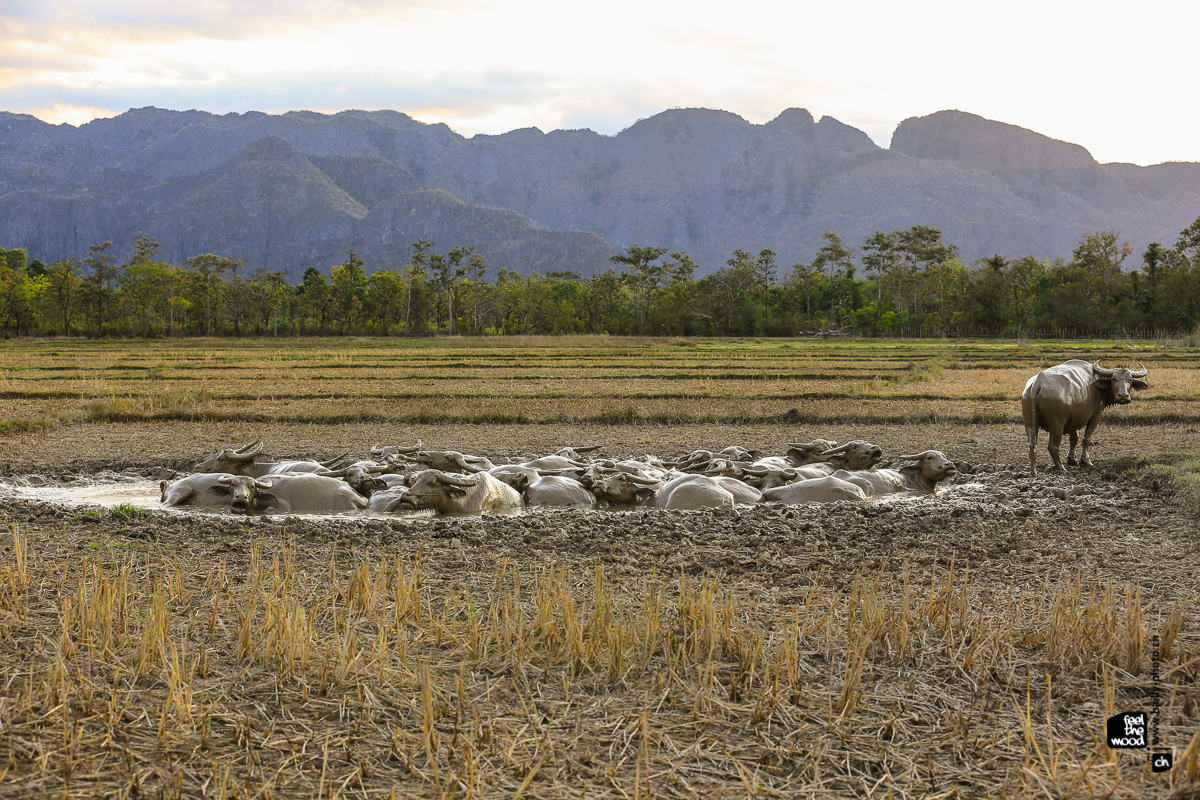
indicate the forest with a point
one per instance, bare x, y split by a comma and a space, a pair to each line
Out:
903, 283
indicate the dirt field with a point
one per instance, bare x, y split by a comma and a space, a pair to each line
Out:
965, 645
970, 644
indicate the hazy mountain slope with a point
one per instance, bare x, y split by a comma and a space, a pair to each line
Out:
300, 189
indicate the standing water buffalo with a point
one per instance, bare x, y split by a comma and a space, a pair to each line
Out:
1071, 396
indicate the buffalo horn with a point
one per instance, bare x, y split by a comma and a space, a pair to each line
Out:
1142, 373
466, 466
246, 453
455, 480
377, 449
915, 457
264, 483
839, 449
1101, 371
640, 480
331, 462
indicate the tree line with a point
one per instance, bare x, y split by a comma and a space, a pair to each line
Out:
908, 282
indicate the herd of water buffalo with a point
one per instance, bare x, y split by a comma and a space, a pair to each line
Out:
1061, 399
408, 478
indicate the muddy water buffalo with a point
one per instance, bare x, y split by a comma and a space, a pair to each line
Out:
920, 477
480, 493
453, 461
694, 492
1071, 396
554, 490
241, 462
277, 494
827, 489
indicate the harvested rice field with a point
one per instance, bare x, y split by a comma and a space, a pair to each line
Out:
968, 644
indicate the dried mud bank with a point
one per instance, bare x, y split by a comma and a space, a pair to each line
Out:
967, 644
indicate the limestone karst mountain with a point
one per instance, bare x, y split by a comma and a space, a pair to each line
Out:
299, 190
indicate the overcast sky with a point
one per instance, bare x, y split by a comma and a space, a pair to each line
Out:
1118, 80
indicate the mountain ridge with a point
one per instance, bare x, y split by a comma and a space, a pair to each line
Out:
297, 190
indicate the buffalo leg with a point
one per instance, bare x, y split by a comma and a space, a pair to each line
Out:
1033, 437
1055, 446
1073, 436
1084, 458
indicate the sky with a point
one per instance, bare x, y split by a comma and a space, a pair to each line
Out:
1111, 78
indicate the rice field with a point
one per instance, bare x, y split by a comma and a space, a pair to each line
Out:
942, 648
577, 380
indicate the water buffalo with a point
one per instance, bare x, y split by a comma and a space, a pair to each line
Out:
553, 490
827, 489
453, 461
694, 492
620, 487
920, 477
277, 494
241, 462
1071, 396
383, 451
479, 493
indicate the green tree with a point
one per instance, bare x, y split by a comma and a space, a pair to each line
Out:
143, 284
348, 288
237, 293
643, 276
385, 288
65, 290
601, 302
765, 274
477, 288
415, 279
727, 291
207, 285
882, 259
268, 293
15, 293
99, 281
315, 300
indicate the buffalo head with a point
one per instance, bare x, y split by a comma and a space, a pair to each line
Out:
434, 487
1117, 382
929, 468
231, 461
246, 493
855, 454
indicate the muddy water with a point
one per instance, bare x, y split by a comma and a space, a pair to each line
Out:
110, 489
140, 492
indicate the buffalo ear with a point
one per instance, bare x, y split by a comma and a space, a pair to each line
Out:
454, 491
1138, 383
1104, 383
264, 500
220, 488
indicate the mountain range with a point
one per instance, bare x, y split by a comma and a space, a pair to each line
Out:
301, 189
